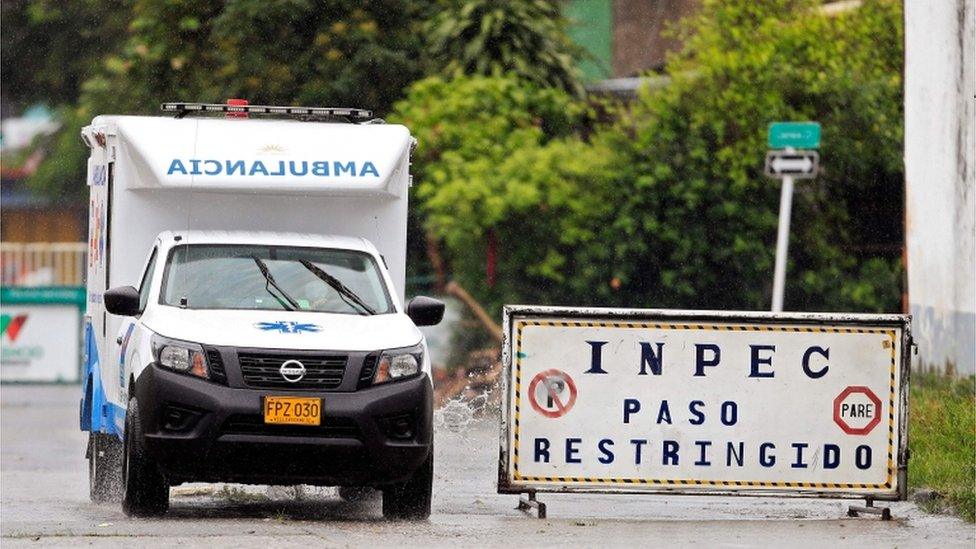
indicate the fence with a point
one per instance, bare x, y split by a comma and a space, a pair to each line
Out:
43, 264
42, 288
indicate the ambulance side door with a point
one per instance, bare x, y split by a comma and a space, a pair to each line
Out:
131, 331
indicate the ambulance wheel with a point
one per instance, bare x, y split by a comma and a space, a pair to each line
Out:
104, 468
411, 499
146, 492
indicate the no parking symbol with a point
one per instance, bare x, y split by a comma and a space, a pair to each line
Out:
552, 393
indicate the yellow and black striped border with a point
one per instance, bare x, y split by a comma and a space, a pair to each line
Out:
520, 324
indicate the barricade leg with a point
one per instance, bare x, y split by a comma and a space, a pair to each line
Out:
526, 503
884, 513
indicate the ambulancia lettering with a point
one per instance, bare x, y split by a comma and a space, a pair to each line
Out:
292, 168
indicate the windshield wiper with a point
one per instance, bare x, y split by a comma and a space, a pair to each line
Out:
292, 305
345, 293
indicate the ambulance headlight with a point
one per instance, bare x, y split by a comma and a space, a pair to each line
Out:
399, 363
180, 356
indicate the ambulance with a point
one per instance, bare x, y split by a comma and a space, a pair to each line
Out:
246, 316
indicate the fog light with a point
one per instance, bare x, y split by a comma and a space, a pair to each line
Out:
402, 429
175, 418
399, 426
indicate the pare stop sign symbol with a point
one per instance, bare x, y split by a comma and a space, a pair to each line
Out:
857, 410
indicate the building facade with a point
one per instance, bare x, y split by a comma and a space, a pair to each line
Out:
625, 38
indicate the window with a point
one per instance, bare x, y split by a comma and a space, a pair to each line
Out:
147, 282
216, 276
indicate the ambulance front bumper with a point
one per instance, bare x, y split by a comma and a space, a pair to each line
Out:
197, 430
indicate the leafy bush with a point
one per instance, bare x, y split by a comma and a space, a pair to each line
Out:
497, 154
668, 206
492, 37
695, 222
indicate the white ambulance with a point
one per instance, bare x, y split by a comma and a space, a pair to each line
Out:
246, 318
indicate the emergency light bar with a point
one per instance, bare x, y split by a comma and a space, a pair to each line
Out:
183, 109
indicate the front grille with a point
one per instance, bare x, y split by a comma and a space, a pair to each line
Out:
368, 371
216, 362
322, 372
250, 424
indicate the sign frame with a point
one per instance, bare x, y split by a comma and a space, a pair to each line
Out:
514, 313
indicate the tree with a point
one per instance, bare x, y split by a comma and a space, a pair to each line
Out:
340, 52
497, 161
667, 206
50, 47
526, 38
697, 220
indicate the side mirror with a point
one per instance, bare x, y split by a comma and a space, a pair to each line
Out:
123, 301
425, 311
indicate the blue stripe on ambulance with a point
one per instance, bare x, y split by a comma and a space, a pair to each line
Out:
97, 414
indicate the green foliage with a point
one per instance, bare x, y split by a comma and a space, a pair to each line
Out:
477, 117
696, 219
297, 51
493, 37
62, 176
51, 46
339, 52
942, 441
668, 207
495, 154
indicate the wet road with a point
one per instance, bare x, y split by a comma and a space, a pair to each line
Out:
44, 502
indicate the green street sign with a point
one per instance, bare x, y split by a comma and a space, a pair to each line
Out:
799, 135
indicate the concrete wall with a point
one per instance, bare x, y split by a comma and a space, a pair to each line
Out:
940, 157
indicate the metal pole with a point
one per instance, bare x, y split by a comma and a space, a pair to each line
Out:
782, 243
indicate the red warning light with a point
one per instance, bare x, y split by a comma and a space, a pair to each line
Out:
237, 103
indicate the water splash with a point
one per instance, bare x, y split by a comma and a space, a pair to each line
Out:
458, 414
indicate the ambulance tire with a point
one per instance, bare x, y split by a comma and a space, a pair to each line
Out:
410, 500
104, 468
146, 492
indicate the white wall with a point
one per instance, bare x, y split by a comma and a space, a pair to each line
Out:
940, 158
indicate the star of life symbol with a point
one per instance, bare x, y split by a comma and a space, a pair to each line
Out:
288, 327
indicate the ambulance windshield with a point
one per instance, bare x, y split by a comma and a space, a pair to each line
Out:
218, 276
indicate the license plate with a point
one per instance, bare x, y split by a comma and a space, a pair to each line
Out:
293, 410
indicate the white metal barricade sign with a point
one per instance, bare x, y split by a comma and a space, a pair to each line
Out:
704, 402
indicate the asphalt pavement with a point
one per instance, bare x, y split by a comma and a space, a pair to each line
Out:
44, 502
